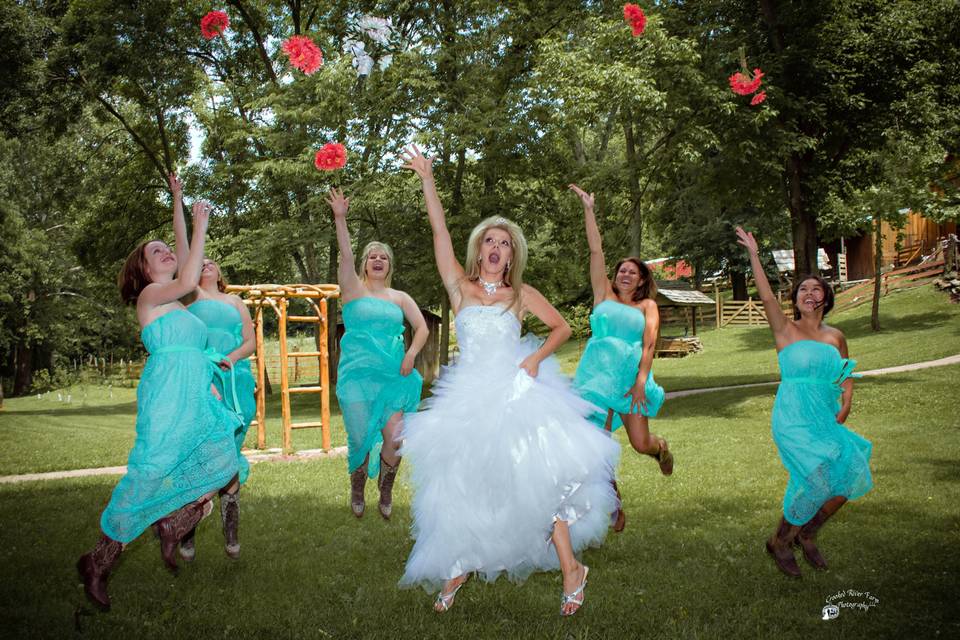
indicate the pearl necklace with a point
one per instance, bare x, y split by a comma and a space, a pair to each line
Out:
490, 287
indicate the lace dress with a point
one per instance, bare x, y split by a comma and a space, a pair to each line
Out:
184, 446
824, 458
370, 388
236, 387
610, 361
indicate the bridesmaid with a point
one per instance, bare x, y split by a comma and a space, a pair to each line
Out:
182, 452
230, 341
615, 370
376, 379
827, 463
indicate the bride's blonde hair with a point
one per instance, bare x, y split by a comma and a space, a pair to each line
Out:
513, 275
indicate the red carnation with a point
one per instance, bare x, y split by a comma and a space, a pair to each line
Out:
214, 24
743, 85
331, 156
757, 99
303, 53
634, 15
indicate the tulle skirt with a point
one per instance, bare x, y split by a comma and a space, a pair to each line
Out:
498, 456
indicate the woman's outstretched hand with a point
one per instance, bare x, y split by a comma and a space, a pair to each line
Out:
746, 239
176, 187
585, 198
201, 213
338, 203
417, 162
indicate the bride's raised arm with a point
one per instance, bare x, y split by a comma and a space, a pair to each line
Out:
451, 271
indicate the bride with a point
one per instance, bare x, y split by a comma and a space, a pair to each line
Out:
508, 475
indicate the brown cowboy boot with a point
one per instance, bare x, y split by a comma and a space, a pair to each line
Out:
779, 547
387, 475
805, 538
230, 516
188, 546
358, 480
663, 456
175, 526
94, 568
619, 517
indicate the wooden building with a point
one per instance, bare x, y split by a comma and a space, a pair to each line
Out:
920, 238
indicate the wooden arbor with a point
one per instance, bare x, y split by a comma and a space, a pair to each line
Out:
277, 297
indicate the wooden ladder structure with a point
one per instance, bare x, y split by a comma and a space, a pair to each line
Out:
278, 297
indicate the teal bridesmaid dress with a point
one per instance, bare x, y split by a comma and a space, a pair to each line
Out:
824, 458
237, 388
610, 361
184, 445
369, 386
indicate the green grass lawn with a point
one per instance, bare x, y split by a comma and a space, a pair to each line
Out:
97, 428
690, 564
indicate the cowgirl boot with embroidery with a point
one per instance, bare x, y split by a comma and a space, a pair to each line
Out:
178, 524
387, 476
779, 546
358, 481
95, 567
230, 516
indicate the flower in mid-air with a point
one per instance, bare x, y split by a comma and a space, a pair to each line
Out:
330, 157
758, 98
633, 14
303, 53
214, 24
743, 85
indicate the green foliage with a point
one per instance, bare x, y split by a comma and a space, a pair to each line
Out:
514, 101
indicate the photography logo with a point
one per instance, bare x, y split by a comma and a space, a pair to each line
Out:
848, 599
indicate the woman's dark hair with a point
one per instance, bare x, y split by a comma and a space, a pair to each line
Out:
133, 276
647, 288
827, 294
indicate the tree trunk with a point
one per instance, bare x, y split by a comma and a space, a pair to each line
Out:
803, 221
877, 276
23, 371
738, 280
633, 180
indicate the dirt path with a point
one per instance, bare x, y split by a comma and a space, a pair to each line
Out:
313, 454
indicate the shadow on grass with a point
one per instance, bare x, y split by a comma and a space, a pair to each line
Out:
310, 569
856, 328
76, 411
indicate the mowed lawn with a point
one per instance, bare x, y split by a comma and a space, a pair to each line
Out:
97, 428
690, 564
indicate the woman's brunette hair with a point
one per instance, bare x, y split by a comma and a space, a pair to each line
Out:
646, 289
828, 297
133, 276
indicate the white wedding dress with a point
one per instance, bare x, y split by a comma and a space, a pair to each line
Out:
497, 456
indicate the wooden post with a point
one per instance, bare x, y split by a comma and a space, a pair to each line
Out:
716, 299
324, 376
694, 316
261, 378
284, 382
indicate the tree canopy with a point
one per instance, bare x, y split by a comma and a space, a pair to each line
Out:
100, 99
